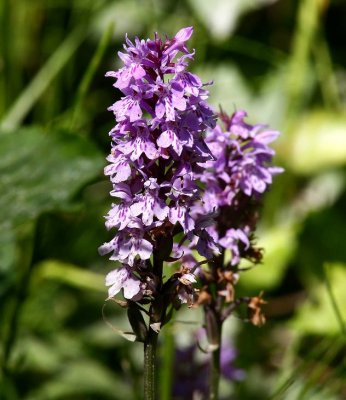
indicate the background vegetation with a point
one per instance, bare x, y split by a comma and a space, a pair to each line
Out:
284, 61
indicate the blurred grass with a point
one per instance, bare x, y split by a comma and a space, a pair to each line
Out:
90, 73
284, 62
16, 114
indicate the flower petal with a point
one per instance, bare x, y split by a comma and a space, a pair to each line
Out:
144, 249
165, 139
131, 287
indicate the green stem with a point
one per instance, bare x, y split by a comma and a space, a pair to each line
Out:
215, 371
166, 369
213, 325
150, 347
150, 344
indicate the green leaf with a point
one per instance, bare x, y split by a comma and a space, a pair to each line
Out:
232, 91
82, 377
317, 315
41, 172
318, 142
7, 259
71, 275
65, 369
130, 16
229, 88
279, 246
221, 16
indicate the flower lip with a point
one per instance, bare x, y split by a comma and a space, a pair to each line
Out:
122, 278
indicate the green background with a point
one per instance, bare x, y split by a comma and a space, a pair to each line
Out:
284, 62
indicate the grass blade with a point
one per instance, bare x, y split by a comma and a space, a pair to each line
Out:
90, 72
42, 80
333, 300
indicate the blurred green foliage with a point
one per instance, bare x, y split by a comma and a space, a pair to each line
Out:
284, 62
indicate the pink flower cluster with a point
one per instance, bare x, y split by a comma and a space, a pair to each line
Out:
157, 149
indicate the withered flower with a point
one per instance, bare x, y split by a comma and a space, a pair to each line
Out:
256, 315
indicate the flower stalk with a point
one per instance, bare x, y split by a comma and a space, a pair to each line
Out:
213, 325
150, 350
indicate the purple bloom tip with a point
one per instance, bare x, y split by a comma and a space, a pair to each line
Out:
184, 34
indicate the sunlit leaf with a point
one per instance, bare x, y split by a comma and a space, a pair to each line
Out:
279, 245
318, 142
229, 88
70, 274
318, 315
221, 16
39, 355
129, 16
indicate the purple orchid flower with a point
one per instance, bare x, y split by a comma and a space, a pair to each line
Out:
158, 147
